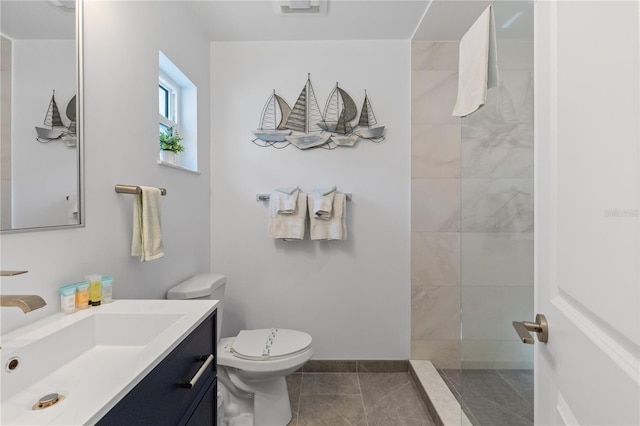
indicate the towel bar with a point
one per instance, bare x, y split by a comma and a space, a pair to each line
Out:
131, 189
267, 197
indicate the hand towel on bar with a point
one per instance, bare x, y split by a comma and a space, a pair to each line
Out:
288, 199
323, 202
147, 236
289, 227
478, 65
333, 229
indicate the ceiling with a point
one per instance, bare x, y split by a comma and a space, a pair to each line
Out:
342, 20
433, 20
262, 20
34, 19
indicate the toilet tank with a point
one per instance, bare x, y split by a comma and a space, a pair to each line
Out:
202, 286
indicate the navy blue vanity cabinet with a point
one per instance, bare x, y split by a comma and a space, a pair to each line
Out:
165, 396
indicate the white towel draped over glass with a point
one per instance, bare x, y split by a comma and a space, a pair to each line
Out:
478, 65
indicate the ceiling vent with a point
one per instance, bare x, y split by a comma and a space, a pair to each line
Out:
302, 6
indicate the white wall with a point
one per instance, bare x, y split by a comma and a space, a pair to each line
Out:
352, 296
122, 40
44, 174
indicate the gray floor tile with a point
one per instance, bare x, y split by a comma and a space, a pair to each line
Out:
330, 384
491, 396
521, 381
403, 407
377, 386
331, 410
488, 413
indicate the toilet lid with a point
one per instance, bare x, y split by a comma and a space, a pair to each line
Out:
269, 344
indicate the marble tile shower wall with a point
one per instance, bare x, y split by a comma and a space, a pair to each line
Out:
472, 212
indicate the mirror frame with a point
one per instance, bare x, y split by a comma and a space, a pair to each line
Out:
79, 130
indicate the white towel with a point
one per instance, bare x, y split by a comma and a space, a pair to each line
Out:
289, 227
287, 200
478, 68
333, 229
147, 236
323, 202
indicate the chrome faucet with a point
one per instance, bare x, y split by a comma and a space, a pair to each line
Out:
26, 302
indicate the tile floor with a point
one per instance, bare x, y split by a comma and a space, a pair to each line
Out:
359, 398
493, 397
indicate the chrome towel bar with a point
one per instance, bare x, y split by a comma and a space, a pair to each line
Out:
130, 189
267, 197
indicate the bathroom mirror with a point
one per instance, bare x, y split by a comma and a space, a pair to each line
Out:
41, 147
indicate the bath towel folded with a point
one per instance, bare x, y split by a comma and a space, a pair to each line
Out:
288, 199
147, 237
333, 229
478, 68
323, 202
289, 227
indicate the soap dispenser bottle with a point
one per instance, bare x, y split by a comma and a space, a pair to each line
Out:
95, 289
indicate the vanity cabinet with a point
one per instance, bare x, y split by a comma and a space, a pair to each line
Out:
164, 396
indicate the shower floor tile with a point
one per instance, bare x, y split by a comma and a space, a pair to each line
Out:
493, 397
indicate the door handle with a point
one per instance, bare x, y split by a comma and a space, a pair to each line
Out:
541, 327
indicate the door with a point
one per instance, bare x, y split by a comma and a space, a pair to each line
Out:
587, 192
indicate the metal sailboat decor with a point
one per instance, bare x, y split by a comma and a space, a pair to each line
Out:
366, 125
56, 128
274, 114
305, 117
305, 126
339, 111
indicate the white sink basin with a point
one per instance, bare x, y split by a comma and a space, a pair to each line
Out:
92, 357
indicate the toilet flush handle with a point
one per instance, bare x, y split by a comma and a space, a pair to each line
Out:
191, 383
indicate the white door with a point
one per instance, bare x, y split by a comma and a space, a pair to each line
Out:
587, 199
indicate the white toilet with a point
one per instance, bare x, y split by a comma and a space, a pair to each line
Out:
255, 361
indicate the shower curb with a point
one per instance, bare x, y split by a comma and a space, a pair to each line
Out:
441, 403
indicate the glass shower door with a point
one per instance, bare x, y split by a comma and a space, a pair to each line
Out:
495, 382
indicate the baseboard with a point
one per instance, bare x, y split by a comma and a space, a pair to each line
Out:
355, 366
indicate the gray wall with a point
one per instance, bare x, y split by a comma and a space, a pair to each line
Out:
122, 40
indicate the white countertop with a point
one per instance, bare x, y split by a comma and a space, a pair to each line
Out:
98, 375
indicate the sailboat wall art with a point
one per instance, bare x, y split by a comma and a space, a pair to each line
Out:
55, 129
305, 126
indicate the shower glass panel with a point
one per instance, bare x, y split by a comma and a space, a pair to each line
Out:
495, 382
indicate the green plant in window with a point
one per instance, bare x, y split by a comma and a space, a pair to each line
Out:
170, 141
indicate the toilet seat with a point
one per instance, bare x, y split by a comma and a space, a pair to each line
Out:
250, 362
269, 344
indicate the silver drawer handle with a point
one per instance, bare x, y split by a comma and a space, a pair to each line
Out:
199, 373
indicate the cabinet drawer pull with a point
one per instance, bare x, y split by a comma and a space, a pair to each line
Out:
207, 360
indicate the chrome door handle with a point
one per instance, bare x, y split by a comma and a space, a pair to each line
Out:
191, 383
541, 327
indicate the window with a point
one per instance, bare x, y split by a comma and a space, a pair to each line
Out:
169, 102
177, 109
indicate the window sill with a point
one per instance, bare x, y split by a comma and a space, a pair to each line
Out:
173, 166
